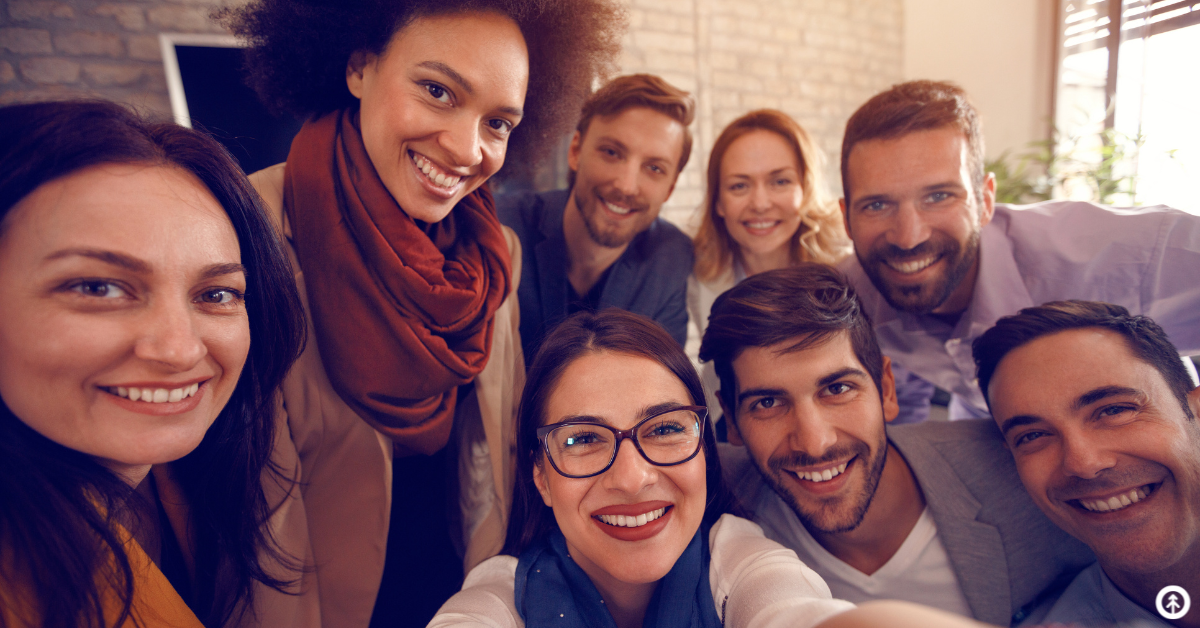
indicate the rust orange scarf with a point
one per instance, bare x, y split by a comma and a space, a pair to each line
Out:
403, 310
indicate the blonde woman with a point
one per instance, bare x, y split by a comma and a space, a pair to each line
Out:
765, 208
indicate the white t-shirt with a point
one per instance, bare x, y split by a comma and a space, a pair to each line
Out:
920, 571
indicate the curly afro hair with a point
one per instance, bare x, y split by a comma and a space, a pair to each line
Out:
299, 50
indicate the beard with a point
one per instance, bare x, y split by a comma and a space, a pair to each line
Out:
588, 202
925, 297
841, 514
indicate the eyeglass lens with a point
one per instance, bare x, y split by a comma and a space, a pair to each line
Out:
585, 449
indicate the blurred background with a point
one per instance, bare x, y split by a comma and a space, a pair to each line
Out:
1088, 99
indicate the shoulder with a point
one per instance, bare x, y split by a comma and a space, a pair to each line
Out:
486, 598
973, 450
268, 182
1078, 225
665, 248
524, 211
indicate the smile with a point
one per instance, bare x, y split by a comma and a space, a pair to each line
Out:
617, 209
823, 475
436, 175
1117, 502
914, 266
154, 395
630, 521
761, 225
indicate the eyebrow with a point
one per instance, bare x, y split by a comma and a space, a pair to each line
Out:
135, 265
1104, 392
839, 374
217, 270
462, 82
1017, 421
642, 414
759, 392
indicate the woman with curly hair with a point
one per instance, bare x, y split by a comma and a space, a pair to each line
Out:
765, 208
408, 276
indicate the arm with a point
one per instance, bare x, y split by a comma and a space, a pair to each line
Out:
1170, 293
486, 598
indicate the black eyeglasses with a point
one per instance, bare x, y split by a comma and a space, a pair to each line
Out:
582, 449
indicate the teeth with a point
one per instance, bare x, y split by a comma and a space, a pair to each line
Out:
909, 268
822, 476
1118, 502
155, 395
767, 224
439, 178
630, 521
617, 209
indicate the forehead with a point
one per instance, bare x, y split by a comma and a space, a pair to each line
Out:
613, 386
774, 366
758, 149
908, 163
1046, 376
640, 129
486, 47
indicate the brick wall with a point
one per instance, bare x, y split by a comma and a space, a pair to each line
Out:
815, 59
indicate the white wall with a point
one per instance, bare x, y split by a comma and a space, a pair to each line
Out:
1000, 51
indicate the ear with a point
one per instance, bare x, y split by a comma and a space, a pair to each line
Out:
988, 205
1194, 402
887, 390
539, 480
354, 71
573, 151
845, 216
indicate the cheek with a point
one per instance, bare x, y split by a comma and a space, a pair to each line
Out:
228, 344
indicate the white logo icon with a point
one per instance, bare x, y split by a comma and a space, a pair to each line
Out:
1172, 602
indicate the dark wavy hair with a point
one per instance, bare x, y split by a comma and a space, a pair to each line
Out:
803, 305
299, 50
612, 330
1144, 338
58, 507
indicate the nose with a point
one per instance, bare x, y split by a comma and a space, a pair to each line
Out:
630, 472
626, 181
1083, 457
810, 434
462, 142
908, 227
759, 199
169, 337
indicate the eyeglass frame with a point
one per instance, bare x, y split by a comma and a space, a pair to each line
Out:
621, 435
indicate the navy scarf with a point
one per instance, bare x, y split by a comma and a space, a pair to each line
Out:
551, 590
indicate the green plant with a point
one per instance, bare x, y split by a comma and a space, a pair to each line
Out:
1100, 167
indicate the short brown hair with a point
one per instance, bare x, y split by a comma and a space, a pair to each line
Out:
916, 106
642, 90
820, 237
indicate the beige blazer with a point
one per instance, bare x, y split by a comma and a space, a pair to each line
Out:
338, 518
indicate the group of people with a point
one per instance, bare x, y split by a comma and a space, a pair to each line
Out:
355, 389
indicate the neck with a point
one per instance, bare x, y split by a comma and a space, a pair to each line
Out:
626, 602
754, 263
893, 512
133, 474
960, 298
1143, 588
588, 259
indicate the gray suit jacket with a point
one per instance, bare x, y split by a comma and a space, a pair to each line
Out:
1006, 554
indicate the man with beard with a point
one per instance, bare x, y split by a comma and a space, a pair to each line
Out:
600, 243
1100, 417
932, 513
937, 261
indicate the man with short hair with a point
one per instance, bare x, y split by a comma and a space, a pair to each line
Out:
600, 243
1100, 417
937, 261
932, 513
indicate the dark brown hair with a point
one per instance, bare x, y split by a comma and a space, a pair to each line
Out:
916, 106
804, 305
821, 236
1144, 338
612, 330
642, 90
299, 50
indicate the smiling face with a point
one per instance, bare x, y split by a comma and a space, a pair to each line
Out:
438, 105
1103, 447
123, 330
813, 422
620, 390
760, 195
625, 168
915, 218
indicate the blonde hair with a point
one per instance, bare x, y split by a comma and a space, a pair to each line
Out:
821, 236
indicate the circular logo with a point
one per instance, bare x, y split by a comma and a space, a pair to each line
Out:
1172, 602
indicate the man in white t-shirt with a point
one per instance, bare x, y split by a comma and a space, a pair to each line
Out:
1100, 417
931, 513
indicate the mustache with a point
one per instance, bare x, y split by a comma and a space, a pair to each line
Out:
617, 198
887, 251
1107, 482
802, 459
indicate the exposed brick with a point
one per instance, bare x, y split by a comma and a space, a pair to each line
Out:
145, 48
25, 10
26, 40
50, 70
105, 74
129, 16
90, 43
182, 18
7, 73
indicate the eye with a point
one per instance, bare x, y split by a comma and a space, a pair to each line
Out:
99, 289
656, 169
874, 207
783, 182
609, 152
1027, 437
766, 403
221, 296
737, 187
838, 388
1114, 410
500, 125
438, 92
938, 197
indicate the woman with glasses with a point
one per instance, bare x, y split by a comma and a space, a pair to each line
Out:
621, 517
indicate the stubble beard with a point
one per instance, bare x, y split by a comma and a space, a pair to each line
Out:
831, 517
926, 297
587, 204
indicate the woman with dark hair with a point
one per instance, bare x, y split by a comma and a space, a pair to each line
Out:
408, 276
137, 417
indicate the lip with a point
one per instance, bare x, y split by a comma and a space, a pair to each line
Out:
760, 231
634, 534
160, 409
604, 204
827, 487
914, 276
433, 189
1106, 515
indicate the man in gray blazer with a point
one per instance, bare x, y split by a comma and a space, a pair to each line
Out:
929, 513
